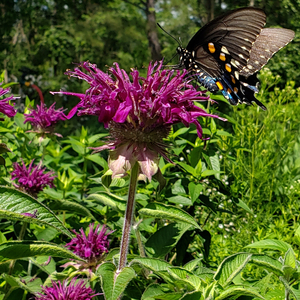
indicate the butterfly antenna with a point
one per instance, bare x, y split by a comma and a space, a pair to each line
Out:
179, 43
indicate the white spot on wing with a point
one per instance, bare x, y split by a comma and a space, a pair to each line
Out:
224, 49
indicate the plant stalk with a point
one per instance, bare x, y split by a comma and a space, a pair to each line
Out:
128, 217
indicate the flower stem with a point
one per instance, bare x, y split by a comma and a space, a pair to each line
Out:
128, 217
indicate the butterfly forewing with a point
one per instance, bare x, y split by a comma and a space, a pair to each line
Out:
235, 32
266, 45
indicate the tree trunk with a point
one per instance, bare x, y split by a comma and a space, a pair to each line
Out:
152, 31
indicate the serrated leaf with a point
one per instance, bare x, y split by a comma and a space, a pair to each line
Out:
237, 292
162, 211
113, 283
290, 259
271, 244
32, 287
293, 291
267, 262
152, 264
13, 203
23, 249
230, 267
71, 206
109, 200
192, 264
185, 276
155, 291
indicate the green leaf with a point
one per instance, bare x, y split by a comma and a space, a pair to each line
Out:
71, 206
195, 190
230, 267
96, 137
244, 206
237, 292
112, 201
162, 211
31, 287
293, 291
165, 239
215, 163
187, 168
192, 264
290, 259
155, 291
267, 262
271, 244
152, 264
180, 200
113, 283
192, 296
22, 249
185, 276
207, 173
96, 158
13, 203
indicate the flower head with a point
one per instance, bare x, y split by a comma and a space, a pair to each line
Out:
92, 246
65, 291
138, 112
5, 107
32, 179
43, 119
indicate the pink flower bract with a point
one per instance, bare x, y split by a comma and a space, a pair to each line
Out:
32, 179
65, 291
5, 107
43, 119
92, 246
139, 112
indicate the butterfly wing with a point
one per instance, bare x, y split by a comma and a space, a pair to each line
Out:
231, 34
266, 45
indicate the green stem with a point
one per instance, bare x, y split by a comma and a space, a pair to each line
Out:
84, 174
128, 217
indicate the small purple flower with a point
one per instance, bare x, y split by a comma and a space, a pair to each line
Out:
31, 180
139, 112
5, 107
34, 215
43, 119
92, 246
65, 291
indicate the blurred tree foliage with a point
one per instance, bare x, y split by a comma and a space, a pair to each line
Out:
47, 37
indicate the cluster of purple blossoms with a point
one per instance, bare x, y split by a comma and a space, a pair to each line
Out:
33, 179
65, 291
43, 119
138, 112
91, 247
5, 107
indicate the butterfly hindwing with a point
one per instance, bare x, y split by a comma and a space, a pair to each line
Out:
226, 53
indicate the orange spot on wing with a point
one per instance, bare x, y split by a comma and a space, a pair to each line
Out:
211, 48
219, 85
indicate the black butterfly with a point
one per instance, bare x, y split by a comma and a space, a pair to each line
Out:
227, 52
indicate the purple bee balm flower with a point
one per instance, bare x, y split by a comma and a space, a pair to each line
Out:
33, 179
138, 112
92, 247
43, 119
5, 107
65, 291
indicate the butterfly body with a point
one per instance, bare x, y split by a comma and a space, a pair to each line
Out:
226, 53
